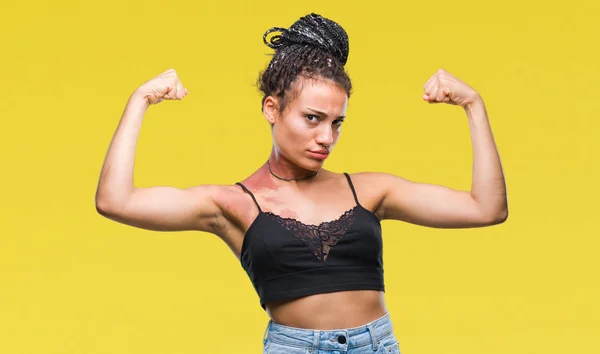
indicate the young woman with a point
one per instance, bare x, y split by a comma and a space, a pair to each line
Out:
309, 238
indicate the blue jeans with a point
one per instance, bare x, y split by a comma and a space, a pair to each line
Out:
376, 337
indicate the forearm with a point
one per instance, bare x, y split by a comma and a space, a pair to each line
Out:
116, 177
488, 187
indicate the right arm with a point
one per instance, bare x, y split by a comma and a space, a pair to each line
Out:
161, 208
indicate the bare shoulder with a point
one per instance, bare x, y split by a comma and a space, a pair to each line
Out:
229, 198
371, 189
237, 207
372, 176
215, 190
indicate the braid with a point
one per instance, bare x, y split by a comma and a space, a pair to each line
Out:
313, 30
313, 47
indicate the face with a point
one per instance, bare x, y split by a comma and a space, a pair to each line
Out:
308, 129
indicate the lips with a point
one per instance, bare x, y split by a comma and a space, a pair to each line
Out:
320, 152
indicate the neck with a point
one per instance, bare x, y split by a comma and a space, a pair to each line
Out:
290, 176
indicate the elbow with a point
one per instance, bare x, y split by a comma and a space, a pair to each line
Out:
490, 214
497, 218
502, 216
107, 207
104, 208
112, 201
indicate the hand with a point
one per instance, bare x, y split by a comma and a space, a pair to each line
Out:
165, 86
444, 87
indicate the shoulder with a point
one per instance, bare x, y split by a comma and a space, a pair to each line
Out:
217, 192
228, 199
373, 187
231, 205
376, 180
223, 195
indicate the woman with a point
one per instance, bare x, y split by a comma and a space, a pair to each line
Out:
309, 239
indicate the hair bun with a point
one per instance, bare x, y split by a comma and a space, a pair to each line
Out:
313, 30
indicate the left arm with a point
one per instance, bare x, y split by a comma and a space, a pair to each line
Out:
442, 207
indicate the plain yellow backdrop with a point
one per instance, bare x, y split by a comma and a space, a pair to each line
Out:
74, 282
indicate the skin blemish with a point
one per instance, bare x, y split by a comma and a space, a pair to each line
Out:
288, 213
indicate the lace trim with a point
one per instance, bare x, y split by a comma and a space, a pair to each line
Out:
321, 238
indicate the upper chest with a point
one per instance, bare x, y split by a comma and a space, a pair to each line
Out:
327, 207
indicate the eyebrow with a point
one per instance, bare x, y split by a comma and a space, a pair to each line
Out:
322, 113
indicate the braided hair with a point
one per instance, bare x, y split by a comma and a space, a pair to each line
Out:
314, 47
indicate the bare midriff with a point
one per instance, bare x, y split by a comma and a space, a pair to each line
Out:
344, 309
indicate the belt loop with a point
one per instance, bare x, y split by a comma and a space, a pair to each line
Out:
315, 347
373, 339
265, 335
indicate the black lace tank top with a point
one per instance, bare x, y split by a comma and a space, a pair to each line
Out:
287, 259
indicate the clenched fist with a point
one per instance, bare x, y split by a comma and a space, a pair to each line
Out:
165, 86
444, 87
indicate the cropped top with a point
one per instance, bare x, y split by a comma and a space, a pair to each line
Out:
285, 258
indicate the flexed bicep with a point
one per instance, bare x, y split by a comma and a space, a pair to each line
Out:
165, 208
431, 205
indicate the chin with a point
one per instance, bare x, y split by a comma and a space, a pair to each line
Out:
314, 165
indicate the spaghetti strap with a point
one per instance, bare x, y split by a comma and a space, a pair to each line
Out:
252, 195
351, 187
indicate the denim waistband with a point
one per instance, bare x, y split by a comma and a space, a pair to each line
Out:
336, 339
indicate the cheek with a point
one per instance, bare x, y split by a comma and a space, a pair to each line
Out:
337, 131
296, 131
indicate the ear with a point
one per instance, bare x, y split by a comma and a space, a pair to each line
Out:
271, 109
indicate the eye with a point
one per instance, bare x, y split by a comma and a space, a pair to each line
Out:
310, 118
338, 122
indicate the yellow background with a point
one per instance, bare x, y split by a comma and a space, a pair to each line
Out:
72, 281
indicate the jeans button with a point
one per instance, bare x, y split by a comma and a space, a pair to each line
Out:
341, 339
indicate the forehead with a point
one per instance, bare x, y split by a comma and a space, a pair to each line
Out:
324, 95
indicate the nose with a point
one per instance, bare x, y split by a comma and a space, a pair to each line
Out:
325, 135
